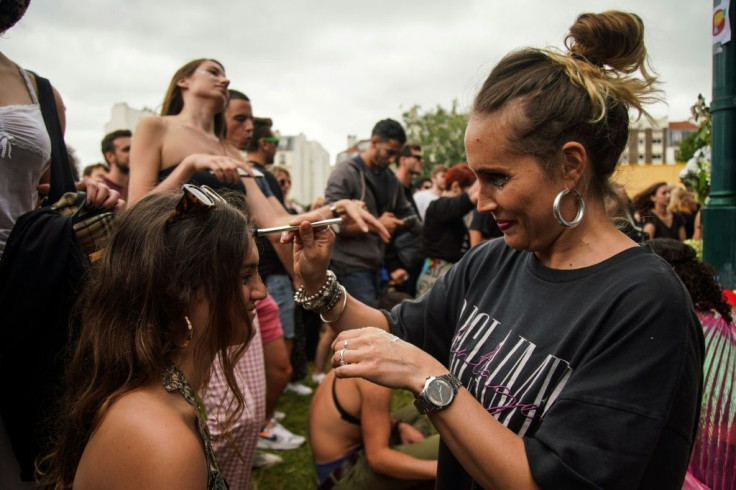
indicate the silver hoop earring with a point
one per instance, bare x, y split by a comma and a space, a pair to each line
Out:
189, 333
558, 215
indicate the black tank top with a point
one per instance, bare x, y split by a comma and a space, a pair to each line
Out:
204, 178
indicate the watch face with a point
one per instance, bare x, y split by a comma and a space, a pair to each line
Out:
440, 392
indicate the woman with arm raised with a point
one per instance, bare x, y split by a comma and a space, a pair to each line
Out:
546, 359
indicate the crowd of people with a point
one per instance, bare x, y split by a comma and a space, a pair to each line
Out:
504, 293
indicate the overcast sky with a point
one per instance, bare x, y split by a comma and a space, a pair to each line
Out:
325, 68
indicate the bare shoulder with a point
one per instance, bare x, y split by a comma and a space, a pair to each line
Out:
151, 124
147, 439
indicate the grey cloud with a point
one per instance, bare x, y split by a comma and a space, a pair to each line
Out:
327, 68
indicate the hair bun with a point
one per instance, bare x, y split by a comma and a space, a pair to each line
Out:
610, 38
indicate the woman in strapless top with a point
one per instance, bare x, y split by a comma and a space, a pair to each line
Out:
186, 144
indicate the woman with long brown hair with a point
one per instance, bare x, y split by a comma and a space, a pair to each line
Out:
176, 287
659, 221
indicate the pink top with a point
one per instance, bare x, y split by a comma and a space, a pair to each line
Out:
713, 462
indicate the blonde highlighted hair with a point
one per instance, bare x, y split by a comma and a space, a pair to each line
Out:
582, 95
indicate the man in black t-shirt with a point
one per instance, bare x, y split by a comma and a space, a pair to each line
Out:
405, 254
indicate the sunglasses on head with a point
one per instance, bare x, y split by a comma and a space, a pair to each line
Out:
194, 197
271, 139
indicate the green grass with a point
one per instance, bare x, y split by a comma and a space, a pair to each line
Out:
297, 470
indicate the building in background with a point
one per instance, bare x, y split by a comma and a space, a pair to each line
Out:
677, 131
124, 117
309, 165
355, 146
655, 143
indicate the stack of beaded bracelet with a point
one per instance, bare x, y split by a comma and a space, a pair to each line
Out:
324, 299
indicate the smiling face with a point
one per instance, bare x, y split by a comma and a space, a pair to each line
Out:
514, 187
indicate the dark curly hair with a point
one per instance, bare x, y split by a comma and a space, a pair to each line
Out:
697, 276
11, 11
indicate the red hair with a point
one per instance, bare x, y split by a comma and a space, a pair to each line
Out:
461, 174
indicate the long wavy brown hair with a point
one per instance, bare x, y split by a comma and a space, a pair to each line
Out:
174, 102
643, 200
131, 314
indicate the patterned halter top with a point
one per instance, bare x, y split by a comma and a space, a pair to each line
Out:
174, 380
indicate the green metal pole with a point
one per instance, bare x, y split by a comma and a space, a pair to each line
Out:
719, 216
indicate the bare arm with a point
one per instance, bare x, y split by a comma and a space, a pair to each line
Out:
44, 183
375, 424
698, 233
475, 237
145, 157
495, 460
649, 229
60, 109
312, 248
493, 455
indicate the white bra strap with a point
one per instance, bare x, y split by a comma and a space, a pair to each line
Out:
29, 85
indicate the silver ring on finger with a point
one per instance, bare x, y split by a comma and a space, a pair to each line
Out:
342, 357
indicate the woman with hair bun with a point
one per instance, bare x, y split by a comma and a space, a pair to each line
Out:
565, 355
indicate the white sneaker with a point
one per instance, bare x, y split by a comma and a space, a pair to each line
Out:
299, 389
317, 378
286, 433
278, 416
263, 459
271, 437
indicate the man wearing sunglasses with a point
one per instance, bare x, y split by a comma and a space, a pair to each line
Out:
262, 152
405, 253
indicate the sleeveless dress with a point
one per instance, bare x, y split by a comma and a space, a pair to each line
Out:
25, 150
174, 380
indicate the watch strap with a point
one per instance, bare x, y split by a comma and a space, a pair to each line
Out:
422, 402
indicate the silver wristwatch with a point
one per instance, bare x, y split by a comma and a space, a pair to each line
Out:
437, 394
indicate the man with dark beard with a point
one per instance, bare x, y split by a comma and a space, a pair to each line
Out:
116, 150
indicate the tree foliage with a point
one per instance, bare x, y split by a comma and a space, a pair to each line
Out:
696, 174
440, 132
687, 147
697, 139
